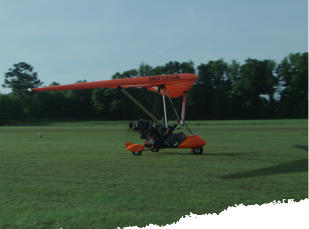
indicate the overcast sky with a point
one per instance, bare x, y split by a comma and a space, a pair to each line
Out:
72, 40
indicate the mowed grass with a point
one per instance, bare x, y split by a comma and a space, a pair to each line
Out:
79, 175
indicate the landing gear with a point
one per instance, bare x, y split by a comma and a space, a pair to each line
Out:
155, 150
198, 150
137, 153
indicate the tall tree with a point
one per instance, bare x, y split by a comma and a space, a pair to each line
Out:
256, 87
211, 95
20, 77
293, 75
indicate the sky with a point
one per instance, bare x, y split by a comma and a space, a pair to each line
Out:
72, 40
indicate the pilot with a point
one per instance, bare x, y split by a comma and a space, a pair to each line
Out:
171, 138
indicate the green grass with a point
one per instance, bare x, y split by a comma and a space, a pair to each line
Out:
79, 175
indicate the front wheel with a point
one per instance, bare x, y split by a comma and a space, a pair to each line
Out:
137, 153
198, 150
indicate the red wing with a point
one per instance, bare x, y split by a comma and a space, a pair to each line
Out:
176, 85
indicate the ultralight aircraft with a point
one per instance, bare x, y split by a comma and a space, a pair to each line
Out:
157, 134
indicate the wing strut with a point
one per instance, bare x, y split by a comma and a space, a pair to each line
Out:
183, 110
182, 118
140, 105
164, 106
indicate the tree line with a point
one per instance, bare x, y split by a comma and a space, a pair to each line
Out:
254, 89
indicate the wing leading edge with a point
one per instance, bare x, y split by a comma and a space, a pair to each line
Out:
176, 84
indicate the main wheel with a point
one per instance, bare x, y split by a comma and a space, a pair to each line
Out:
137, 153
198, 150
155, 149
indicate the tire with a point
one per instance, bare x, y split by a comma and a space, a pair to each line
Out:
198, 150
155, 150
137, 153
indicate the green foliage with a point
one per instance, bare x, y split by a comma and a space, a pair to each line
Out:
257, 78
255, 88
145, 70
10, 108
174, 67
81, 102
211, 96
293, 75
107, 103
126, 74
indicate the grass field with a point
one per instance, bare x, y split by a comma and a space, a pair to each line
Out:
79, 175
